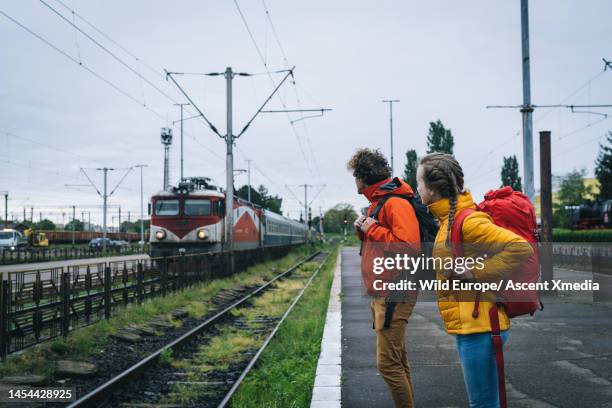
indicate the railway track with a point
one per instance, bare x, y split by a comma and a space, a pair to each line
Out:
180, 374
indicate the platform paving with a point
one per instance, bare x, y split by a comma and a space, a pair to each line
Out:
561, 358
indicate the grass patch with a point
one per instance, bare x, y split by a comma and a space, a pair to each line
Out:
284, 375
85, 343
592, 235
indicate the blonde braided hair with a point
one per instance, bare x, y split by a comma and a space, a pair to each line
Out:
443, 174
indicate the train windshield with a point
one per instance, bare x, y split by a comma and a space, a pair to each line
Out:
197, 207
6, 235
166, 207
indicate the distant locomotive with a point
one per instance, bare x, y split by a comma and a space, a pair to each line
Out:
596, 214
191, 219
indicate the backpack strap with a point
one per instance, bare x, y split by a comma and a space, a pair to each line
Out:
383, 200
457, 243
457, 231
457, 240
498, 346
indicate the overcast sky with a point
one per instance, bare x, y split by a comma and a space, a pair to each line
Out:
442, 59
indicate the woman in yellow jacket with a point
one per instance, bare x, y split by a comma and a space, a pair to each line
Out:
440, 186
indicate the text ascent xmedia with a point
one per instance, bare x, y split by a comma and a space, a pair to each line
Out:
503, 285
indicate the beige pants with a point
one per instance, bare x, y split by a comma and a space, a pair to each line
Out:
391, 358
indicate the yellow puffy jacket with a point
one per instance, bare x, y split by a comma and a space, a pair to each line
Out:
478, 228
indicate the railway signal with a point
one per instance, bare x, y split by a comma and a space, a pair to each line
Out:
166, 140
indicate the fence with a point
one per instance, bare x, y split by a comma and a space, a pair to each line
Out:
26, 255
41, 304
590, 257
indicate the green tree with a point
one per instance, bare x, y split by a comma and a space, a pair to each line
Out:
333, 220
572, 192
136, 225
439, 139
261, 197
127, 226
510, 174
76, 225
45, 225
410, 169
603, 169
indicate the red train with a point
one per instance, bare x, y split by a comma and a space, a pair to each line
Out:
191, 218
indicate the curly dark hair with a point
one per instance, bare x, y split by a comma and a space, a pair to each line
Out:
369, 165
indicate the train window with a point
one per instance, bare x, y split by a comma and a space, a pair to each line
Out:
166, 207
197, 207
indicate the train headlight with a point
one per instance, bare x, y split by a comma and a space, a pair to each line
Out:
161, 234
202, 234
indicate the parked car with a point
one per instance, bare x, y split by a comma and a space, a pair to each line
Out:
98, 243
121, 244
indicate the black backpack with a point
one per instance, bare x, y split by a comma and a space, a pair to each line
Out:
428, 229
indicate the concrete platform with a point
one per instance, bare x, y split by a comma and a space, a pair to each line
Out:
326, 390
562, 357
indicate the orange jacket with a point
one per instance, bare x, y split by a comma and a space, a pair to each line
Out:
397, 230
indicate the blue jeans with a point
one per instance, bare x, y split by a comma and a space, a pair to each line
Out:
477, 357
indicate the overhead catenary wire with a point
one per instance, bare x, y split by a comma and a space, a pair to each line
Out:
480, 162
301, 118
265, 64
99, 76
131, 54
109, 38
109, 52
82, 65
48, 146
297, 96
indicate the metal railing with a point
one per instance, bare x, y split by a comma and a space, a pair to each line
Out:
39, 305
28, 255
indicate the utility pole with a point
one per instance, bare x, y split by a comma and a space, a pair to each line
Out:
546, 206
104, 207
181, 105
104, 194
390, 102
119, 218
321, 224
229, 138
141, 166
527, 109
249, 178
32, 215
73, 223
229, 166
306, 207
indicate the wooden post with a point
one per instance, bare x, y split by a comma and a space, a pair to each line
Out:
545, 207
107, 291
4, 319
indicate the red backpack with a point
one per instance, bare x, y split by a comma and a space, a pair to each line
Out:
511, 210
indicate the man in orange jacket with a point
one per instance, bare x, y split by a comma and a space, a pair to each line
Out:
388, 229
